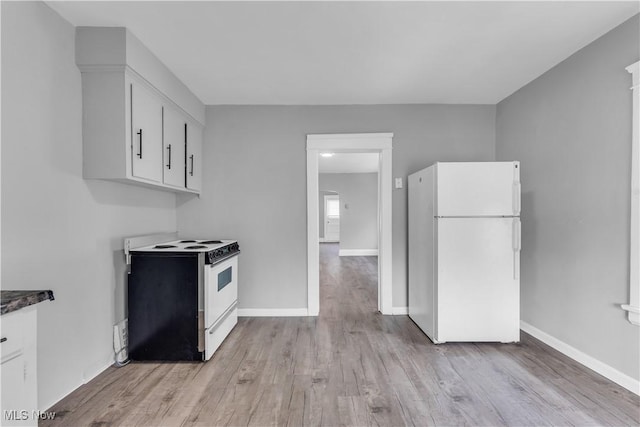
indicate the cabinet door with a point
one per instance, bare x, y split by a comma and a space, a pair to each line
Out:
14, 411
194, 157
146, 135
19, 396
175, 129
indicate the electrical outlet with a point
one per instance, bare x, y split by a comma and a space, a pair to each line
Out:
121, 340
124, 333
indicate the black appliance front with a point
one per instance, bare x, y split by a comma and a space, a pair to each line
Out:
163, 307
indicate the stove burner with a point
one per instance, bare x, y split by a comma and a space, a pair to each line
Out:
195, 247
164, 246
187, 241
211, 242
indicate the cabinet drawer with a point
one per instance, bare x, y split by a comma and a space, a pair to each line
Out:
12, 334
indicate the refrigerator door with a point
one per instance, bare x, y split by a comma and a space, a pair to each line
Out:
421, 251
478, 280
478, 189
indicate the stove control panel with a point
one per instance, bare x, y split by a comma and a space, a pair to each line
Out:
217, 255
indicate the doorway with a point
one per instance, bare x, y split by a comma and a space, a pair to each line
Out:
380, 143
331, 219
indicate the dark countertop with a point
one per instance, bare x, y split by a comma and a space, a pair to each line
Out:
15, 300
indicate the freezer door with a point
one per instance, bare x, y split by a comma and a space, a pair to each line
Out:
421, 250
478, 189
478, 279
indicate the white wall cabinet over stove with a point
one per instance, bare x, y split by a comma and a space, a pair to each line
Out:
174, 148
147, 133
194, 157
141, 125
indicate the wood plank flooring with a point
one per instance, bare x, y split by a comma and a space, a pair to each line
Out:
351, 366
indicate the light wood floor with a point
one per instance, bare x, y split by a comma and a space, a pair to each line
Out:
352, 366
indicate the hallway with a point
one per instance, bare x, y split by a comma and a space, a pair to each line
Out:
348, 285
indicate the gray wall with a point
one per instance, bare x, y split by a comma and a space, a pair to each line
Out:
254, 184
359, 219
59, 231
571, 129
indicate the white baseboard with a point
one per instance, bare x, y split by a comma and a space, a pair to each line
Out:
95, 372
590, 362
399, 311
323, 240
358, 252
272, 312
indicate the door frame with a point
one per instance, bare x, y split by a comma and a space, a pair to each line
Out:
380, 143
326, 216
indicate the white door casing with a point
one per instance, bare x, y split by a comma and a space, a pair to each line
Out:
633, 308
331, 222
380, 143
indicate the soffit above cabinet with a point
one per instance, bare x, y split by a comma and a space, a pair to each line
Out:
104, 48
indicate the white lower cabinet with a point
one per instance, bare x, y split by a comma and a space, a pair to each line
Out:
18, 372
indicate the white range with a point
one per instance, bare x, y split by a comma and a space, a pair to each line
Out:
182, 297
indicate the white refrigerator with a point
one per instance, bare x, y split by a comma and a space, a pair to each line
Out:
464, 251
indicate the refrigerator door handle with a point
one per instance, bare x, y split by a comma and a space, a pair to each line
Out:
516, 198
517, 245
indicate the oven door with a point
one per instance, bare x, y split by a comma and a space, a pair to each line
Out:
221, 289
221, 296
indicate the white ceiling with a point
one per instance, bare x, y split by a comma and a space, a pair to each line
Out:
349, 163
314, 53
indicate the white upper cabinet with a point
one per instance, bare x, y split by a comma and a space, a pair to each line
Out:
146, 120
175, 131
137, 116
194, 157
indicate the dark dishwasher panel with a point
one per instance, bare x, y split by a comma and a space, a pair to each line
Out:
163, 307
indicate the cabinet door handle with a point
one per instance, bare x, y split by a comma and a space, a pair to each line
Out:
3, 339
191, 172
140, 143
169, 164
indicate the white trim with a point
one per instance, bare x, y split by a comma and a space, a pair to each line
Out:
385, 225
323, 240
633, 308
350, 142
313, 231
590, 362
400, 311
383, 137
356, 143
358, 252
272, 312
